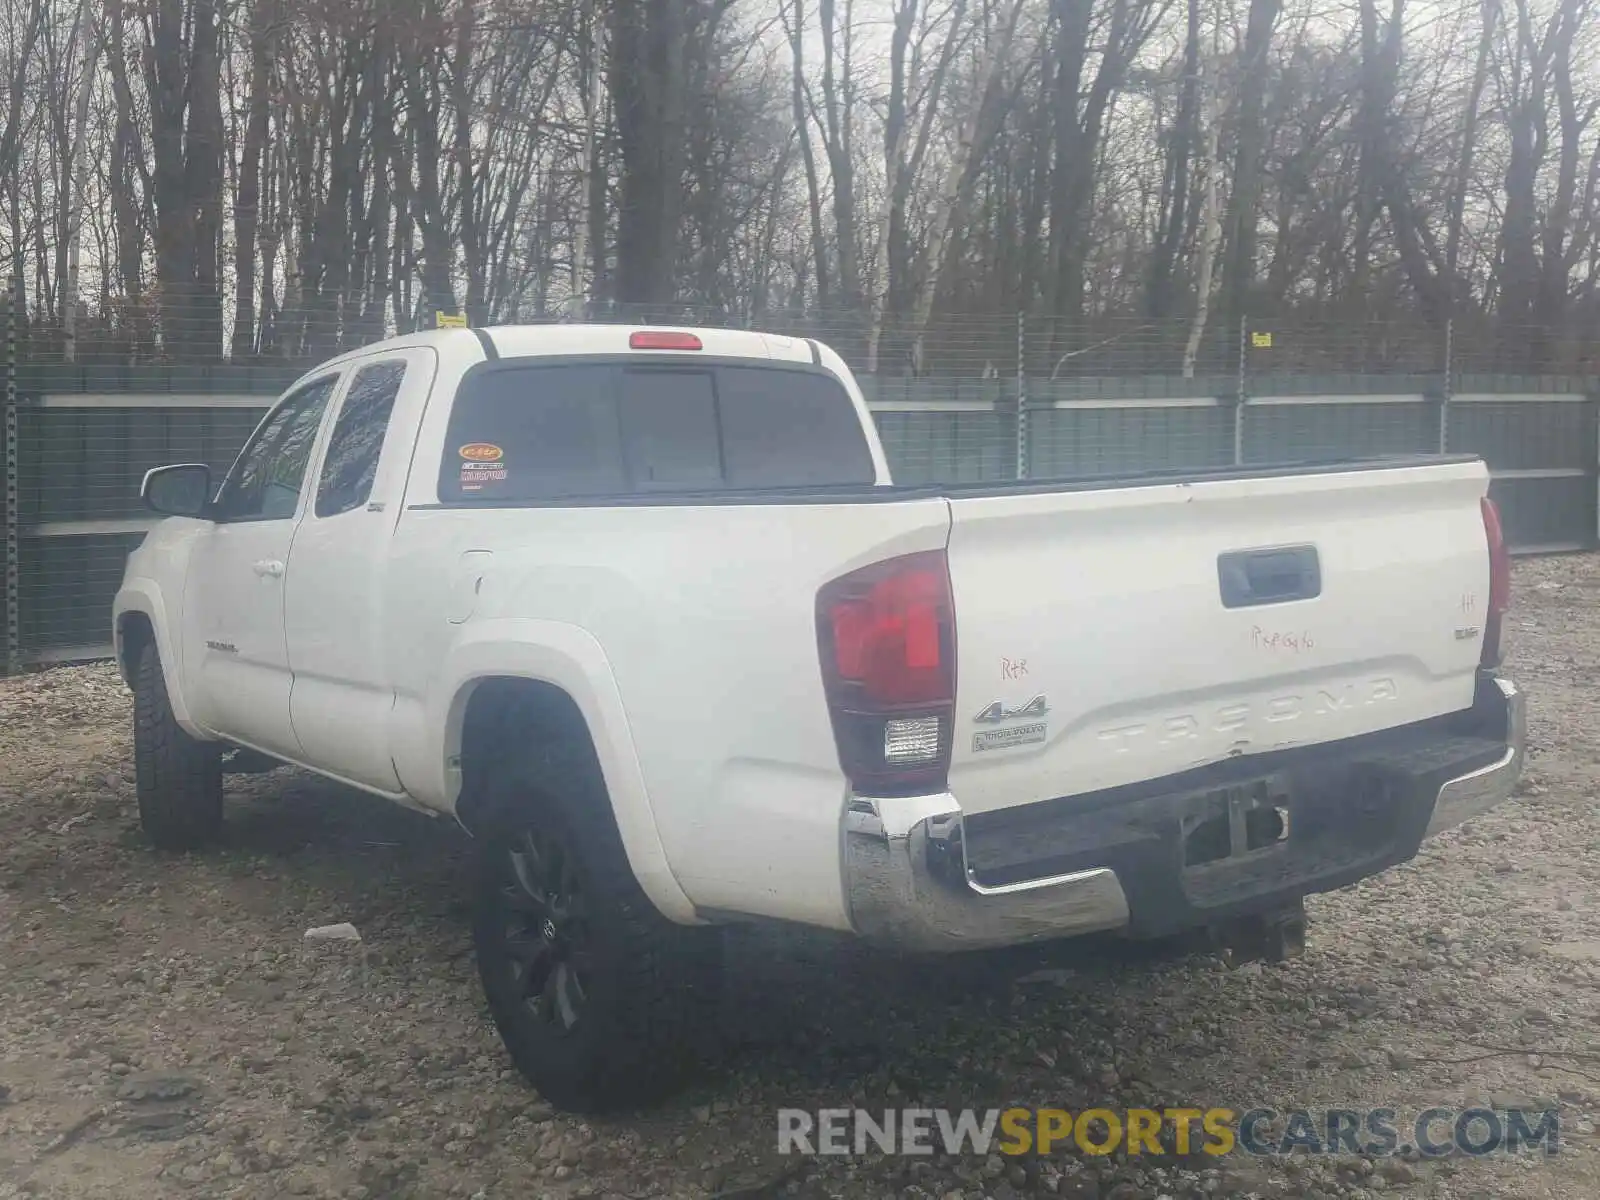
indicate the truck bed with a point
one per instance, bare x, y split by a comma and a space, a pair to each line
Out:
888, 493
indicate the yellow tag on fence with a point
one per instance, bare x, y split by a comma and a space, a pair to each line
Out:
453, 321
1261, 341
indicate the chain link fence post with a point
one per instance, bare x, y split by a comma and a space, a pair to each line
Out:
1022, 395
1240, 396
13, 490
1449, 384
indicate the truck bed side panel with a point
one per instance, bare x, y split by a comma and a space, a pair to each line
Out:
706, 617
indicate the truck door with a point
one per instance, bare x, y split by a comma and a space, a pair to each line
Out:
237, 659
337, 597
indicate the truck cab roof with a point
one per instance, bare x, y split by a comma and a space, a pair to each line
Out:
536, 341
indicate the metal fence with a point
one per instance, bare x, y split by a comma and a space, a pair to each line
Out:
79, 437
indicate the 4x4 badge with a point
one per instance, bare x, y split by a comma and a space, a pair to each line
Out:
994, 713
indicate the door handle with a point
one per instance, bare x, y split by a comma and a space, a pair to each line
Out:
268, 568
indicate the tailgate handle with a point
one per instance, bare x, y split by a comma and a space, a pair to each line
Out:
1253, 577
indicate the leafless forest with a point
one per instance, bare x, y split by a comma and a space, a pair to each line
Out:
210, 179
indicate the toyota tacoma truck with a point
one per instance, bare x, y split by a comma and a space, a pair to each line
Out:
643, 611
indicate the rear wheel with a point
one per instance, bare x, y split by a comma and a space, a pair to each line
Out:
600, 1000
178, 778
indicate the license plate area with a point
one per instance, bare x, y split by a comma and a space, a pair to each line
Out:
1242, 821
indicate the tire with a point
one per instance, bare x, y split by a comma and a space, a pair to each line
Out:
178, 778
600, 1001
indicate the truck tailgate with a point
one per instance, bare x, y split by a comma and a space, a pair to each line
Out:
1112, 635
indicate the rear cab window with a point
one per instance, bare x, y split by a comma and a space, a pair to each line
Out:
526, 431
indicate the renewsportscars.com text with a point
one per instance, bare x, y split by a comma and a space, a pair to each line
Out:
1374, 1132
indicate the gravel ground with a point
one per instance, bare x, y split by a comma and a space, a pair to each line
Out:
164, 1030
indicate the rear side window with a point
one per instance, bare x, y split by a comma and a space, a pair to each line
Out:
533, 432
522, 433
351, 463
789, 429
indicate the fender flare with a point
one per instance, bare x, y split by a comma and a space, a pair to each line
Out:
144, 597
568, 657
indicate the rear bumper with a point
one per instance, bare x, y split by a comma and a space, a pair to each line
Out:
921, 875
1476, 792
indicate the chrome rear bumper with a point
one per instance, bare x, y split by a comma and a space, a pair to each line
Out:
908, 883
899, 894
1466, 797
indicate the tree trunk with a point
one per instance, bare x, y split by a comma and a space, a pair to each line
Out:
649, 41
977, 128
802, 125
1239, 267
1162, 301
1210, 219
247, 200
89, 28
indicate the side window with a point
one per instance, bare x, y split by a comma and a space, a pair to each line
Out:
526, 433
790, 429
351, 462
264, 484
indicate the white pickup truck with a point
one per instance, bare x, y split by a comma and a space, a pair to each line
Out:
642, 609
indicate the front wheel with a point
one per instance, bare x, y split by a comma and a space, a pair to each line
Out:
597, 997
177, 777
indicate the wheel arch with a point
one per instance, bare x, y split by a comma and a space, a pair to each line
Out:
140, 620
558, 681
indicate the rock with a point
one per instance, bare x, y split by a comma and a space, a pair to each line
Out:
1396, 1171
155, 1085
1577, 951
342, 932
1059, 976
1518, 1102
155, 1121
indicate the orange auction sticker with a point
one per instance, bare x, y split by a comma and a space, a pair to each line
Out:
481, 452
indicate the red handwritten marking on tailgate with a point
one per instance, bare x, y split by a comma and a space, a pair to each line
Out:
1291, 641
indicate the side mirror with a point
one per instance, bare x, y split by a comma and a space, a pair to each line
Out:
183, 490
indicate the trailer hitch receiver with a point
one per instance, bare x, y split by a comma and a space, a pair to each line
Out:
1273, 937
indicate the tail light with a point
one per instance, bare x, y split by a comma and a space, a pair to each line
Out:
1499, 584
886, 634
